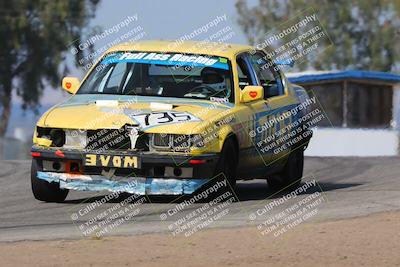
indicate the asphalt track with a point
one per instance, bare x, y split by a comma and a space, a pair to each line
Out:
349, 187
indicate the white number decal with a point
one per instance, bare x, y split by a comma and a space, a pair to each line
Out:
163, 117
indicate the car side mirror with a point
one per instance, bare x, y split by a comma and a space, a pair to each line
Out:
70, 84
251, 93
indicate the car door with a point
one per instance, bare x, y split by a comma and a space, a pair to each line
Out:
250, 157
272, 123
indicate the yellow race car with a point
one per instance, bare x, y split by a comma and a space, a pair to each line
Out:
162, 117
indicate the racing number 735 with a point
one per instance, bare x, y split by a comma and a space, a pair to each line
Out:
156, 118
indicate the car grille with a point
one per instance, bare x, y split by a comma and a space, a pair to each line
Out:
171, 141
162, 140
180, 142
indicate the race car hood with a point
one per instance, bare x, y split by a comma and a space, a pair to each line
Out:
151, 114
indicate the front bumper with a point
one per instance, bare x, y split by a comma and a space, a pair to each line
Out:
148, 177
132, 185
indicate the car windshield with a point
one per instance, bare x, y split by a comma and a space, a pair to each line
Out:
161, 74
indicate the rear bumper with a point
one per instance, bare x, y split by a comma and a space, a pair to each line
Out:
153, 174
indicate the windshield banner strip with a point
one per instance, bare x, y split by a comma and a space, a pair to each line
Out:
168, 59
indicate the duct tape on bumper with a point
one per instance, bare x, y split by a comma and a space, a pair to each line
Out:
133, 185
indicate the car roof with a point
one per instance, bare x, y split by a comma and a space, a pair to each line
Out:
189, 47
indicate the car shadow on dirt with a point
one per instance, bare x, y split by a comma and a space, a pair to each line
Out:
259, 190
245, 191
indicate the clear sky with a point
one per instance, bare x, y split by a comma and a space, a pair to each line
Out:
159, 19
169, 19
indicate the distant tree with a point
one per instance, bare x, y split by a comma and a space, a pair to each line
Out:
35, 34
365, 34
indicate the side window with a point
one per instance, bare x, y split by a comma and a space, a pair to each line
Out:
243, 72
269, 78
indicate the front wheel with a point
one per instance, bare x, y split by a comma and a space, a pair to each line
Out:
291, 175
45, 191
225, 171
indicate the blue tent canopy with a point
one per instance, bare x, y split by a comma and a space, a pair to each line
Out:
309, 77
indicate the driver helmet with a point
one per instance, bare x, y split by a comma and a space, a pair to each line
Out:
213, 78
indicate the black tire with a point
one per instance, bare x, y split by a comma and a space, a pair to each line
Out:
226, 169
227, 163
290, 177
45, 191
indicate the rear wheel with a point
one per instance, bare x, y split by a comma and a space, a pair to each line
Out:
291, 175
45, 191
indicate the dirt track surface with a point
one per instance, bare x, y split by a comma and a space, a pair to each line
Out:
362, 241
350, 187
